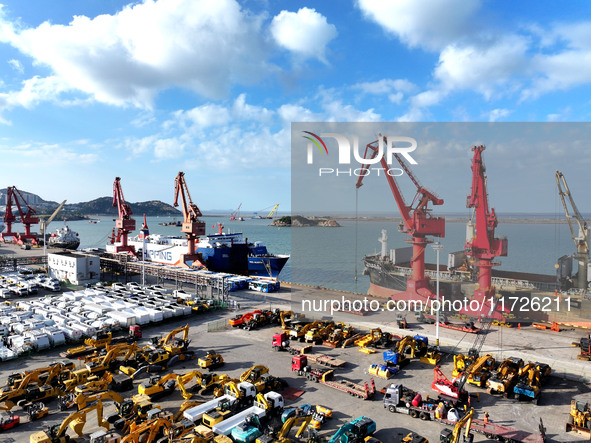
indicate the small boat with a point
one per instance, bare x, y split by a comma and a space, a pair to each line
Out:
93, 221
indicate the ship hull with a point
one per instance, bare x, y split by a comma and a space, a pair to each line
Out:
518, 291
71, 245
267, 267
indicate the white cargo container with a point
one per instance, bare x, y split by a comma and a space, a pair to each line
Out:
124, 318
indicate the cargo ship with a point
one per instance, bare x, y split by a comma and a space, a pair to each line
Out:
64, 238
222, 252
389, 270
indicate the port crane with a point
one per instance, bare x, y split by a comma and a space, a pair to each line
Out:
417, 221
124, 224
27, 219
573, 216
234, 214
192, 226
483, 245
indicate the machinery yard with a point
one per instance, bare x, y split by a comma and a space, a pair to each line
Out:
242, 349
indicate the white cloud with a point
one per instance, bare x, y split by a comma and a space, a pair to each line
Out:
306, 33
386, 86
16, 65
127, 57
486, 68
498, 114
424, 23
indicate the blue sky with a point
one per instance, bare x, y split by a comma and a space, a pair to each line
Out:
102, 88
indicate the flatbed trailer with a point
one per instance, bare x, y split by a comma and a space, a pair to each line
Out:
320, 359
397, 400
299, 364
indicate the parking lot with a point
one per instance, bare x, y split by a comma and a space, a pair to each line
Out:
242, 350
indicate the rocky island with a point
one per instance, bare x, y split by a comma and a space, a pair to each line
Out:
299, 221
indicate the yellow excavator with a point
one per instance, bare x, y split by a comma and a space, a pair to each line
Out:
76, 422
170, 343
374, 335
83, 400
284, 317
184, 379
506, 377
449, 436
302, 422
298, 333
254, 374
317, 335
158, 386
149, 430
478, 371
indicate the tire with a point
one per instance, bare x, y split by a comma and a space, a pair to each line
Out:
392, 408
414, 414
423, 416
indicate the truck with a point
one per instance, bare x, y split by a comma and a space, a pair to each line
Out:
299, 364
399, 399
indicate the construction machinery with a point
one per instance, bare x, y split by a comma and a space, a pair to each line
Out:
367, 340
382, 371
124, 224
149, 430
254, 373
579, 418
299, 331
477, 371
354, 431
531, 377
192, 227
453, 391
299, 364
14, 196
37, 410
76, 422
318, 335
338, 336
482, 245
129, 411
417, 220
449, 436
224, 409
244, 393
82, 400
170, 343
506, 377
8, 421
574, 217
184, 379
211, 361
281, 437
158, 386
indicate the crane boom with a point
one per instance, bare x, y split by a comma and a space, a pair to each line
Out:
124, 224
417, 221
192, 226
27, 219
273, 211
483, 245
573, 216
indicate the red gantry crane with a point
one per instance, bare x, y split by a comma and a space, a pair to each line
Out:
483, 245
124, 224
192, 227
416, 222
27, 218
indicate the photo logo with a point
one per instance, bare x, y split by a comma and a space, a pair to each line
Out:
385, 147
316, 143
383, 150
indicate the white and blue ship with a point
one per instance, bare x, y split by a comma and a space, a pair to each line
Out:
222, 252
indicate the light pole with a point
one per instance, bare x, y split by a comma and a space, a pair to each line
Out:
437, 247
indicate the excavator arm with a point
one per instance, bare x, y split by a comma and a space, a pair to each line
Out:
82, 399
182, 380
257, 368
